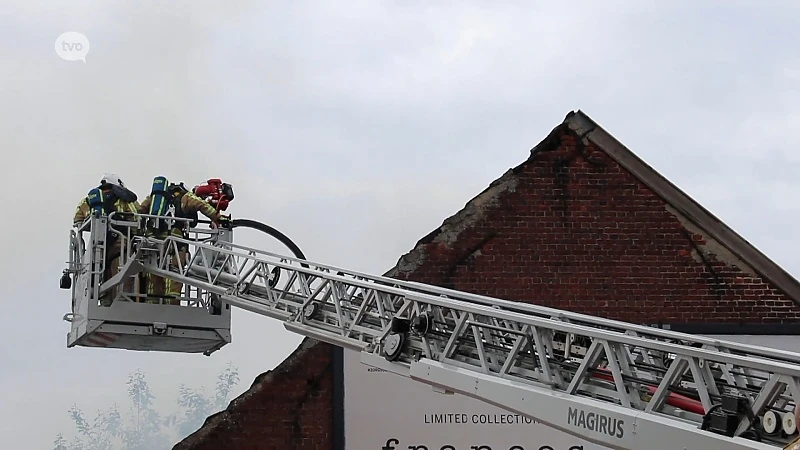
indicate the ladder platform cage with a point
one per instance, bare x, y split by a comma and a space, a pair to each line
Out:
197, 321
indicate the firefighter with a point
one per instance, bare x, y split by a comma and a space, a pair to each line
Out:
177, 201
111, 195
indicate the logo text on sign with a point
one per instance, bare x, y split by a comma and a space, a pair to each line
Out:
72, 46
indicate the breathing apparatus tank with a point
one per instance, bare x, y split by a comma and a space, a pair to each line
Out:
160, 204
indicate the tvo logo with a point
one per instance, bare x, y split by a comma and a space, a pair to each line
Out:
72, 46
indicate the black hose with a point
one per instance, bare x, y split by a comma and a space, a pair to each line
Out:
247, 223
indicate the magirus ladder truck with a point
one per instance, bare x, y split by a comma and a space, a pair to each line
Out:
620, 385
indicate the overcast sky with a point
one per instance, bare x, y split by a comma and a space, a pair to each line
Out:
356, 128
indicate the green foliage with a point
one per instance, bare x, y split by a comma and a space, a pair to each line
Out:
60, 443
196, 406
145, 428
144, 431
99, 434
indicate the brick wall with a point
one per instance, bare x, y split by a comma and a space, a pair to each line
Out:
569, 228
288, 408
572, 229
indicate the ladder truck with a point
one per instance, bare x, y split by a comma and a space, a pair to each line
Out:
617, 384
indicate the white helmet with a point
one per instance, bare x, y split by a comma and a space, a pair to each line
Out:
113, 179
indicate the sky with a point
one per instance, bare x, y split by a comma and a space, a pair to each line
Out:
355, 128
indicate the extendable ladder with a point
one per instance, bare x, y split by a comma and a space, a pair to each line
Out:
620, 385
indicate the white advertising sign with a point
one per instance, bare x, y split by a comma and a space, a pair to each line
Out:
384, 411
780, 342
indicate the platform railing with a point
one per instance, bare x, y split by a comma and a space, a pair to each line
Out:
140, 250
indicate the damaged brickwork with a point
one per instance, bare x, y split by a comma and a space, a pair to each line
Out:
578, 226
574, 230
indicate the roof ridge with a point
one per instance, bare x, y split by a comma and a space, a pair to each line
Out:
586, 128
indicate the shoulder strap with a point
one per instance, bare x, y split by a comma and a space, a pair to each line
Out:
183, 214
177, 201
175, 193
109, 201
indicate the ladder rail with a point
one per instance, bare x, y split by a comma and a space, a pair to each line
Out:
566, 327
563, 315
504, 345
366, 282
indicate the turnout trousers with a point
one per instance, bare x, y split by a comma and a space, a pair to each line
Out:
157, 287
112, 267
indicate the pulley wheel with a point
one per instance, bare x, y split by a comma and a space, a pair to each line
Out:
309, 310
789, 424
393, 346
770, 422
274, 276
421, 324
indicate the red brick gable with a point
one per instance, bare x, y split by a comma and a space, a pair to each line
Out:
582, 225
573, 229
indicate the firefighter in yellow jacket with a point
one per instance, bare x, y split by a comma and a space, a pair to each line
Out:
110, 196
173, 200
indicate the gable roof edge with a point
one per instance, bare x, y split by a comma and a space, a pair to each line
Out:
587, 128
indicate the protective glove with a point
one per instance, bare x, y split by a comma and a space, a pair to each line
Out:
224, 221
221, 222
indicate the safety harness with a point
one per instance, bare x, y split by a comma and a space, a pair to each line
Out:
165, 201
102, 202
176, 192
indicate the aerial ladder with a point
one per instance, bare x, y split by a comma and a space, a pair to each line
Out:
620, 385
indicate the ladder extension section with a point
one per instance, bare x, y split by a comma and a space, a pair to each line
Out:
620, 385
